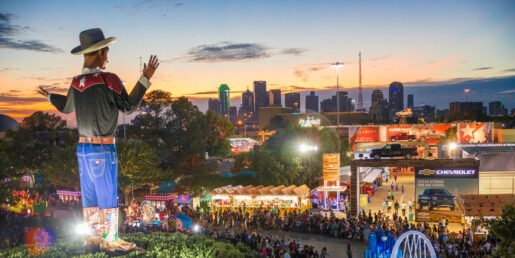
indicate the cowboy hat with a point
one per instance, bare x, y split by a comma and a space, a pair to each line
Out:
92, 40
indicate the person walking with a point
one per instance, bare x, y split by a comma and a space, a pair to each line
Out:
396, 207
349, 252
403, 208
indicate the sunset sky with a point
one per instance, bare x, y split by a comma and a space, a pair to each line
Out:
202, 44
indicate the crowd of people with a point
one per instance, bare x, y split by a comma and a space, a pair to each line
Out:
268, 245
460, 244
241, 226
15, 226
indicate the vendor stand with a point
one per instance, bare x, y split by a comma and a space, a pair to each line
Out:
160, 201
66, 196
250, 197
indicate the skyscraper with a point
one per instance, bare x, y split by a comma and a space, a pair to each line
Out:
233, 114
328, 105
292, 100
312, 102
410, 101
395, 98
213, 105
377, 97
260, 95
496, 108
224, 98
275, 98
343, 97
247, 102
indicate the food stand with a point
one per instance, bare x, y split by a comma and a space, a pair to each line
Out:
160, 201
68, 196
281, 197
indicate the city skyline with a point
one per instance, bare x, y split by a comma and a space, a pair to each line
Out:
205, 44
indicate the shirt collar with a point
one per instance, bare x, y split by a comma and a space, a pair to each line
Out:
86, 70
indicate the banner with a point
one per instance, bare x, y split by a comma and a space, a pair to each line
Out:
437, 191
367, 134
475, 132
331, 166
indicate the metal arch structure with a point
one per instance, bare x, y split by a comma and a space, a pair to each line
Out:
414, 245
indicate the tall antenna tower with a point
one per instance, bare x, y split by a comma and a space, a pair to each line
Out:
140, 66
360, 96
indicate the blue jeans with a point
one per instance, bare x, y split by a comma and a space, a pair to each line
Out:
98, 170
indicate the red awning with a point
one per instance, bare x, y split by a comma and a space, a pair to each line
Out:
168, 197
67, 193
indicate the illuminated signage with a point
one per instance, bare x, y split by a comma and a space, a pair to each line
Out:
331, 166
455, 172
309, 122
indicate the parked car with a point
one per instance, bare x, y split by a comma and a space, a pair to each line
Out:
403, 137
393, 150
433, 198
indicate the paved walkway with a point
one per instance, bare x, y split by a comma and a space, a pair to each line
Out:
408, 181
336, 247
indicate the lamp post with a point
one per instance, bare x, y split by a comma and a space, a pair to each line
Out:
337, 65
466, 91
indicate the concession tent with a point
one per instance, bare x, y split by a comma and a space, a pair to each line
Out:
281, 197
160, 200
67, 195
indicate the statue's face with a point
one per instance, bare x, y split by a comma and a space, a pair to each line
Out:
103, 59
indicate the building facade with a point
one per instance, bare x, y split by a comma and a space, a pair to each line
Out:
224, 98
260, 95
292, 100
213, 105
377, 96
395, 98
411, 101
275, 98
312, 103
496, 108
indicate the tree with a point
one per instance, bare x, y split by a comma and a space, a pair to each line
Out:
185, 137
137, 166
6, 171
216, 137
43, 121
34, 143
277, 122
503, 229
62, 168
279, 161
156, 103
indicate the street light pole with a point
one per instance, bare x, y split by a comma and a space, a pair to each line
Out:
337, 65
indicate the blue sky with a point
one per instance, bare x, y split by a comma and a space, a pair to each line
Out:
287, 43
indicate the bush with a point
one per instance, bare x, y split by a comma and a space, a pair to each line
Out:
155, 244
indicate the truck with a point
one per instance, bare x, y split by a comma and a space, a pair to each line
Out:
403, 137
393, 150
433, 198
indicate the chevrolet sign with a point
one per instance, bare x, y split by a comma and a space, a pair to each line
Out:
454, 172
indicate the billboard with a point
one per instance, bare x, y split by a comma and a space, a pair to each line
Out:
426, 133
438, 190
331, 166
367, 134
475, 132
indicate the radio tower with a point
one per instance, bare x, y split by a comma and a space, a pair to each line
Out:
360, 91
140, 66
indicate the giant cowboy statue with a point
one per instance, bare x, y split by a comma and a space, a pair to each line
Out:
96, 97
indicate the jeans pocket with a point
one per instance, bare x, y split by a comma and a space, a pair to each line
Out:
97, 164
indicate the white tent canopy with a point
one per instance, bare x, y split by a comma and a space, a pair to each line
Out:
372, 175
